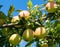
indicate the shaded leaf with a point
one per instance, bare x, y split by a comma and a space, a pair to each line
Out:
2, 15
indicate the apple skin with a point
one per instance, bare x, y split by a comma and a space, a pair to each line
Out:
40, 32
25, 14
51, 7
28, 35
14, 19
15, 39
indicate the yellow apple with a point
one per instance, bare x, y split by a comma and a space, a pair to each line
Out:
51, 7
15, 39
28, 35
40, 32
14, 19
25, 14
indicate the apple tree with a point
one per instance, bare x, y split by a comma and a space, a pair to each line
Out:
32, 25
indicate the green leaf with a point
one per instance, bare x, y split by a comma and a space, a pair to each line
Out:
2, 15
58, 27
2, 18
30, 4
11, 10
35, 9
18, 10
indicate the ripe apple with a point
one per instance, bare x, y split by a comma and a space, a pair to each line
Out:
28, 35
14, 19
25, 14
15, 39
58, 1
51, 7
40, 32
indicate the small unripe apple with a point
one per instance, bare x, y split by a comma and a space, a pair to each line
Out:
28, 35
14, 19
51, 7
15, 39
25, 14
40, 32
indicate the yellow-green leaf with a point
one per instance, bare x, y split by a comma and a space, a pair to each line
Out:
11, 9
30, 4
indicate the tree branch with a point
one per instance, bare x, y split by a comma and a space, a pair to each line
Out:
9, 25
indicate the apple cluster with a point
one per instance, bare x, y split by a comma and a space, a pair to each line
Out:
28, 34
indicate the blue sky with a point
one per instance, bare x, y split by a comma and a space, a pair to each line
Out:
18, 4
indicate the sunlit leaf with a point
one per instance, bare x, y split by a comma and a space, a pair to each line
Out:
30, 4
11, 10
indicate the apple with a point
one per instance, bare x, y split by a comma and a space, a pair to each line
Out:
28, 35
15, 39
25, 14
40, 32
14, 19
51, 7
58, 1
